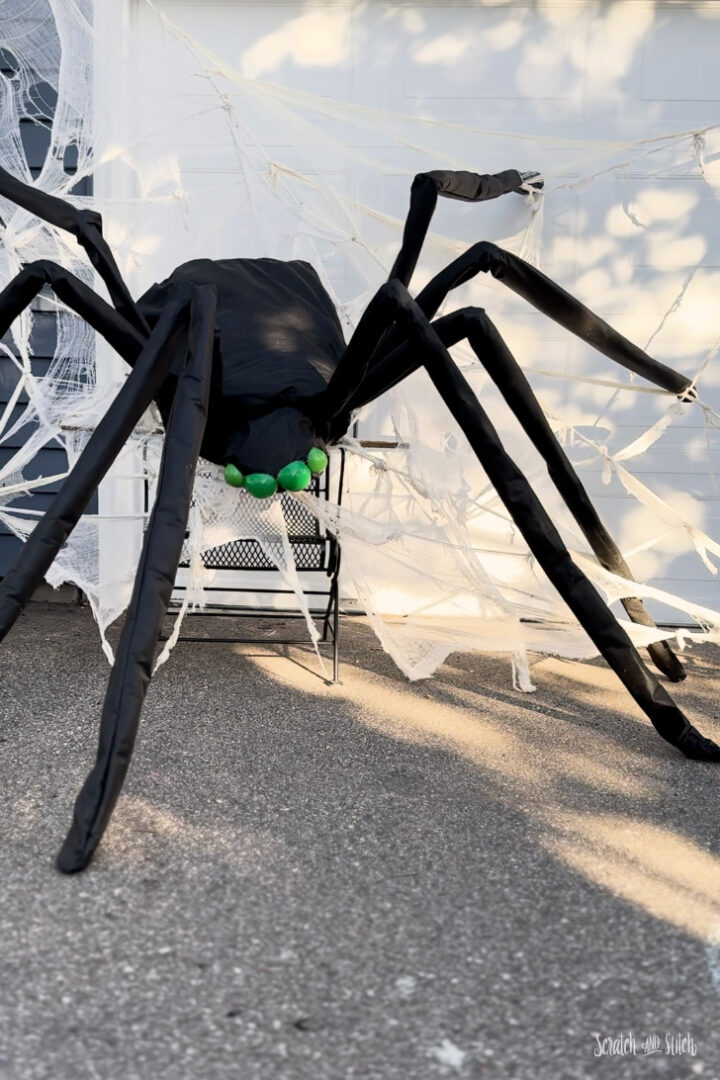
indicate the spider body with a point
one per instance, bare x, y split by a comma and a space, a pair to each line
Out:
277, 343
247, 363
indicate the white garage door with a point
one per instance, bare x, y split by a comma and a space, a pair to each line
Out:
639, 242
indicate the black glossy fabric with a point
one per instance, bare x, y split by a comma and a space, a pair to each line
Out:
470, 187
158, 565
552, 300
278, 341
24, 287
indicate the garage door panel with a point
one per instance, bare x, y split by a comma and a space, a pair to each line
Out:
679, 54
663, 482
282, 43
665, 223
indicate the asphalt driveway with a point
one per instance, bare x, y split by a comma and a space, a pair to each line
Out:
376, 880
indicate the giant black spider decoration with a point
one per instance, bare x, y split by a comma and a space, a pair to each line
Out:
247, 363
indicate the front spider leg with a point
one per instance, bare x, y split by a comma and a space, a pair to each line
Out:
506, 373
541, 535
159, 560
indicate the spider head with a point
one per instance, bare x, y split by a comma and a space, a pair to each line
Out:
279, 450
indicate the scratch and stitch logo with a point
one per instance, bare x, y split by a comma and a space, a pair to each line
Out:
627, 1044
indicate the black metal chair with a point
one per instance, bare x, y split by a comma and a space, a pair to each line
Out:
316, 551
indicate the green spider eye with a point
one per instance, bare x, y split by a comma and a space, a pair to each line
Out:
234, 477
297, 476
261, 485
317, 460
294, 477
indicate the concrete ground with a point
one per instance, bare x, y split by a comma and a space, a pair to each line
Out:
376, 880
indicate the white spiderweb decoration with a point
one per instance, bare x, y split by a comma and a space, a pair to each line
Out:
428, 550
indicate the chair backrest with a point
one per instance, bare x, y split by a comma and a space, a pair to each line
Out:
313, 547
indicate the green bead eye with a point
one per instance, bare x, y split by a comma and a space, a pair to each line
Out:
294, 477
233, 476
261, 485
297, 476
317, 460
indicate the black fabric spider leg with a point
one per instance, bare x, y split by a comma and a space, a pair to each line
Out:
543, 538
470, 187
553, 301
358, 358
159, 560
106, 442
86, 226
24, 287
506, 373
424, 192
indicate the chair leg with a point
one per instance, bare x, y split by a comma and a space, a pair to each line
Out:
336, 630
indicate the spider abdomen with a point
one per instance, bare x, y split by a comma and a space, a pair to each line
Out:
278, 341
